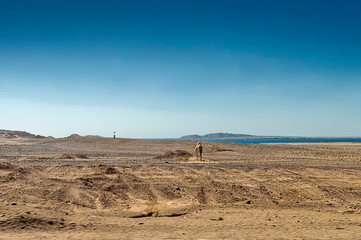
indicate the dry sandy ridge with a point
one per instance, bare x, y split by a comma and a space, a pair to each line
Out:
8, 137
104, 188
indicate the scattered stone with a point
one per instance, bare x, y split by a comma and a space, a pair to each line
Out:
70, 156
223, 150
348, 212
111, 170
140, 214
340, 228
141, 223
14, 203
80, 156
248, 202
64, 156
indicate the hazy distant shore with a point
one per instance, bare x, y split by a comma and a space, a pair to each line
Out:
228, 136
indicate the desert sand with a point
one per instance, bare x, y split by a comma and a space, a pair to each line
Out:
105, 188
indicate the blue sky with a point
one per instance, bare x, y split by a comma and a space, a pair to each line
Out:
168, 68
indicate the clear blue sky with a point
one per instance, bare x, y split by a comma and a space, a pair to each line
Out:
167, 68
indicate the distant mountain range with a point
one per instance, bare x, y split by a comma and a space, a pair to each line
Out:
220, 136
247, 136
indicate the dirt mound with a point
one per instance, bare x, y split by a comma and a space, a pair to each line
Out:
7, 166
153, 190
80, 156
13, 174
29, 222
177, 154
64, 156
71, 156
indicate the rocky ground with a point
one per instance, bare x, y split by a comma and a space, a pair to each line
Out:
104, 188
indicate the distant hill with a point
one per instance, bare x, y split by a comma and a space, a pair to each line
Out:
218, 136
74, 136
8, 134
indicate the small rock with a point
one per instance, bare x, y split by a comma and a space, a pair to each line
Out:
220, 219
13, 203
348, 212
340, 228
141, 223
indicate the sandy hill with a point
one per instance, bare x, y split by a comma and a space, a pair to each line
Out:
8, 136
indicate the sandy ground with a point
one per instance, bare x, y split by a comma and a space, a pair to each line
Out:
103, 188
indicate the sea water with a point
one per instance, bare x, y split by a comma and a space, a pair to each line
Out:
285, 140
271, 140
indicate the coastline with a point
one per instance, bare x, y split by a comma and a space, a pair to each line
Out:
258, 140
